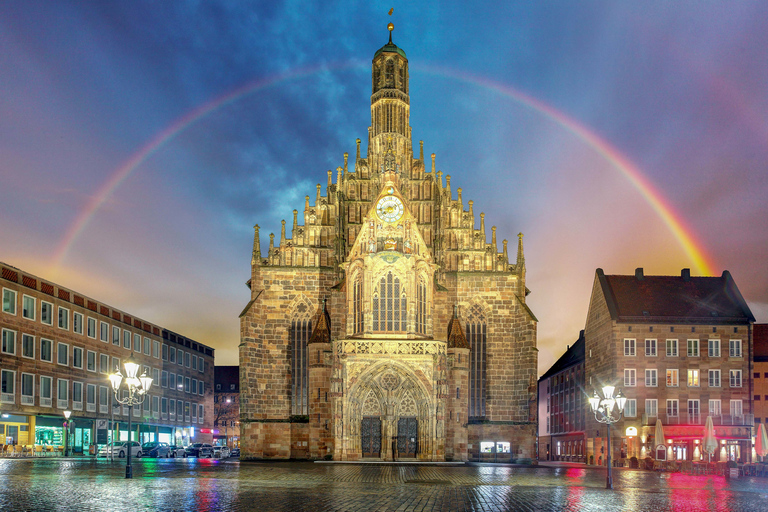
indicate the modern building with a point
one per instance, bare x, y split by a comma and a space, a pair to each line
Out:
226, 406
760, 373
58, 347
383, 323
562, 407
680, 349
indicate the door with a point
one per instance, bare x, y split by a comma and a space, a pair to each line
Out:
407, 437
370, 437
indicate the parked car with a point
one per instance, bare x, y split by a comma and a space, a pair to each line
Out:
120, 449
201, 450
156, 449
177, 451
235, 452
221, 452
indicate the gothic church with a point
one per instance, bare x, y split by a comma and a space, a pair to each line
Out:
386, 326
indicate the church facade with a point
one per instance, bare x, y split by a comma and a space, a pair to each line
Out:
383, 324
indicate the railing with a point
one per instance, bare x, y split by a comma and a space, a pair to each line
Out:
77, 406
103, 408
699, 419
62, 404
27, 400
8, 398
46, 402
90, 407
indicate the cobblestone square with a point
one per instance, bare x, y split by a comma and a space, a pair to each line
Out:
202, 485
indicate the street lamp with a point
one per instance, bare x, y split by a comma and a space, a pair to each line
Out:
137, 388
608, 409
66, 432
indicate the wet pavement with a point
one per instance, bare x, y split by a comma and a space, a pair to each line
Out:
230, 485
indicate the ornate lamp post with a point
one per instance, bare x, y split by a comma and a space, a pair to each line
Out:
137, 388
66, 432
608, 409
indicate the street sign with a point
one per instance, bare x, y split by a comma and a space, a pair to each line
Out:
101, 432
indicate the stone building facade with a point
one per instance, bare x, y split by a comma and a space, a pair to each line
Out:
679, 348
384, 324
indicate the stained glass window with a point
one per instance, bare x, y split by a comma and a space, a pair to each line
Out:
301, 328
390, 306
476, 336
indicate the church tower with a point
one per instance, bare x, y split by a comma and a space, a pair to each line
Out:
382, 323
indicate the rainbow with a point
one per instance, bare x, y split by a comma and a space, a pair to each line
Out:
685, 236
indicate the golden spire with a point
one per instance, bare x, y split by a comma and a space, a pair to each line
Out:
391, 25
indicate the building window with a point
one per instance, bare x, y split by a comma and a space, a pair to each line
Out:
734, 348
194, 362
476, 329
9, 342
693, 412
672, 408
46, 391
187, 359
127, 340
62, 354
77, 323
630, 377
27, 389
357, 305
28, 346
90, 361
77, 395
9, 301
172, 381
77, 357
693, 378
714, 378
27, 306
8, 386
693, 348
421, 306
714, 348
180, 357
673, 378
91, 331
736, 408
714, 408
156, 349
46, 312
651, 378
671, 348
630, 408
389, 305
137, 343
63, 318
301, 329
735, 378
651, 407
164, 351
650, 348
164, 379
147, 346
171, 355
62, 393
629, 347
104, 363
46, 350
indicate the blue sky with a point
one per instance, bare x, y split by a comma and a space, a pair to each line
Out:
677, 88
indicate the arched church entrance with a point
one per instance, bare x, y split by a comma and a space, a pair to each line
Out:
394, 416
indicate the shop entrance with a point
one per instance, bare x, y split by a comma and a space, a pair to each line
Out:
407, 437
370, 437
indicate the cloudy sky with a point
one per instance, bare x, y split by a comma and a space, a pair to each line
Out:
141, 141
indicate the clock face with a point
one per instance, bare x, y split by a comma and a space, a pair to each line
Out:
389, 208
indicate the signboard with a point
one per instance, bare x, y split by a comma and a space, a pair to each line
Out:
101, 432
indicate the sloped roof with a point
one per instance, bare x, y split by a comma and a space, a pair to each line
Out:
573, 356
456, 336
676, 299
322, 331
226, 376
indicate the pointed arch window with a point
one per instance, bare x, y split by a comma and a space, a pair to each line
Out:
389, 73
476, 336
421, 306
301, 328
390, 305
357, 304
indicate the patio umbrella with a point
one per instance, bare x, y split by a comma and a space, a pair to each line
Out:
659, 435
710, 441
761, 442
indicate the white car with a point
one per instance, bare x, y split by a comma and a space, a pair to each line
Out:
221, 452
120, 449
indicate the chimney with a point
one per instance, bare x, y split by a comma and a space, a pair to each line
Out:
639, 273
686, 274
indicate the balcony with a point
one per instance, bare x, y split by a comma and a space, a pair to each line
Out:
700, 419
